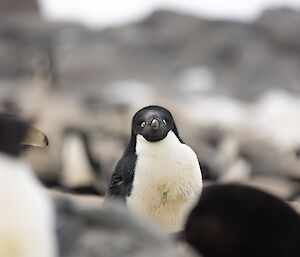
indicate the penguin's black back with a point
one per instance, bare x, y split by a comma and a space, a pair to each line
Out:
239, 221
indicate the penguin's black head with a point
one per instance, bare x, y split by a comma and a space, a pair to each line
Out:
16, 133
153, 123
237, 221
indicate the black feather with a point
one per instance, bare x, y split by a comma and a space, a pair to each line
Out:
123, 175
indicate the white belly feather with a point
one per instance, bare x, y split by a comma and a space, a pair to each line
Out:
27, 226
167, 181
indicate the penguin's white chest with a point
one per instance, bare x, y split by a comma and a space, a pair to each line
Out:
76, 168
167, 181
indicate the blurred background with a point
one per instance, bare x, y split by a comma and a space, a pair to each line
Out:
229, 72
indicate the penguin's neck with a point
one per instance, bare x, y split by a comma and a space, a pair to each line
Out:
157, 149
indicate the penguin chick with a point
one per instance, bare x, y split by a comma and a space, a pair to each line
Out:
240, 221
158, 176
26, 217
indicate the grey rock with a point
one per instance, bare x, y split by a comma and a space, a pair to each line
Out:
245, 59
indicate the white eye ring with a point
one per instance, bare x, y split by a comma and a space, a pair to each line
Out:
164, 121
143, 124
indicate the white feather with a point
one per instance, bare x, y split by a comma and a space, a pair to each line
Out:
167, 181
26, 215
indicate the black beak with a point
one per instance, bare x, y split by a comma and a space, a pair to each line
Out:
155, 124
154, 130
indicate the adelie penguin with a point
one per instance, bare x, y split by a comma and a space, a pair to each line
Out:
26, 214
158, 175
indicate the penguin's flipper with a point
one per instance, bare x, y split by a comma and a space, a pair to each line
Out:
116, 186
121, 181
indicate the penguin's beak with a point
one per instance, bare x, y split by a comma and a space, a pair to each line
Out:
155, 124
35, 137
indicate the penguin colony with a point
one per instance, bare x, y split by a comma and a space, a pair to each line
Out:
26, 216
158, 175
159, 178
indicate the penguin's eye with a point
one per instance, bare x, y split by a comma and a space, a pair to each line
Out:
143, 124
164, 121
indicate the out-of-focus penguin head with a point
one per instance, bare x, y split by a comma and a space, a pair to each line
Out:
16, 133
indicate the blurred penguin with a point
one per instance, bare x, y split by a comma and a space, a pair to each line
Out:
26, 216
222, 157
81, 171
240, 221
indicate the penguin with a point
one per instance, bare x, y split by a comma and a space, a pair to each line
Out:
81, 171
158, 176
241, 221
27, 225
